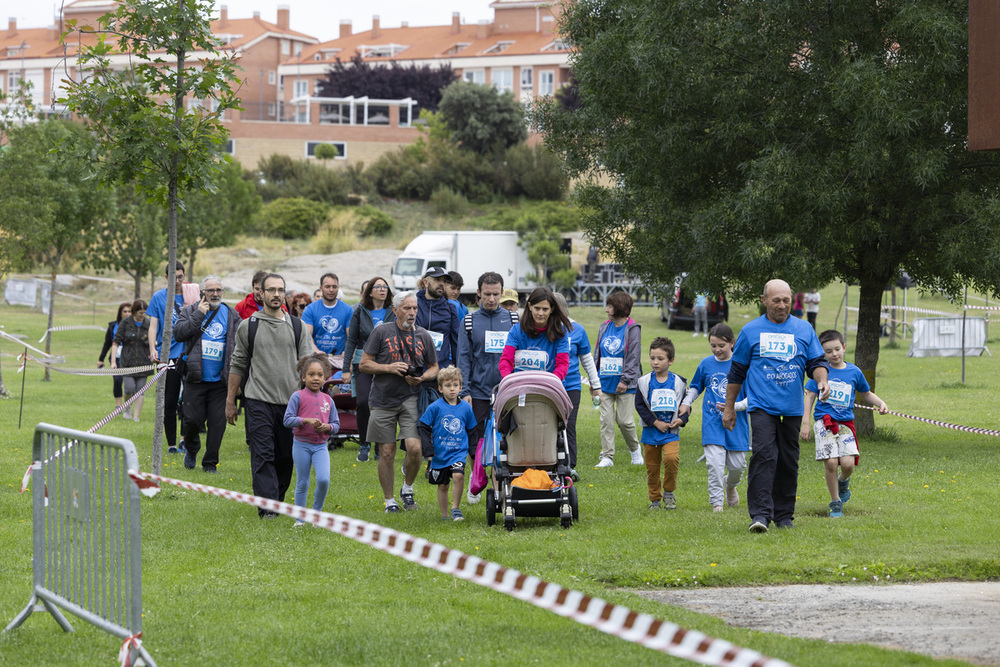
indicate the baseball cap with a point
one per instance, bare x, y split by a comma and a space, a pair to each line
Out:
437, 272
509, 295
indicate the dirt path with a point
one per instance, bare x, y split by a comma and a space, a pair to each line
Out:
943, 620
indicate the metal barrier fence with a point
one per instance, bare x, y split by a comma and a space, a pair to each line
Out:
86, 554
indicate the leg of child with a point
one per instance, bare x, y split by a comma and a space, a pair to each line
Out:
846, 467
653, 455
715, 459
443, 501
830, 469
671, 464
458, 480
302, 458
321, 466
736, 463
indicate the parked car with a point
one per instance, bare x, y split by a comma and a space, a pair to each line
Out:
677, 310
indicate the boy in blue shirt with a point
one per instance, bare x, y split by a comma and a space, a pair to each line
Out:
836, 440
657, 398
446, 428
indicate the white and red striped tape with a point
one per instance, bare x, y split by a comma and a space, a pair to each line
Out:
935, 422
911, 309
91, 371
615, 620
26, 480
90, 327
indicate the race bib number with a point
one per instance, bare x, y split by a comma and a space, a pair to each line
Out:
610, 366
663, 400
495, 341
531, 360
777, 346
438, 339
840, 394
211, 349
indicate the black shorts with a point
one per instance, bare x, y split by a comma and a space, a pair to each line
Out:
443, 475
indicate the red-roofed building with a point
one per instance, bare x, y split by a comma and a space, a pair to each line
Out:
518, 51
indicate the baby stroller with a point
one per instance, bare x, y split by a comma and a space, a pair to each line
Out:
346, 411
530, 410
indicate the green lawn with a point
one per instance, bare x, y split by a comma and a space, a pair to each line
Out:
221, 586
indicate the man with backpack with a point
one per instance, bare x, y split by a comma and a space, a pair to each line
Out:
268, 345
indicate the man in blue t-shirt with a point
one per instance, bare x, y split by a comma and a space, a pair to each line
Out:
207, 330
327, 320
156, 312
772, 355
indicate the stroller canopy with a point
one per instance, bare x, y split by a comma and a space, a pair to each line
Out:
538, 383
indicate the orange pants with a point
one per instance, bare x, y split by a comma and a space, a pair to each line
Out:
669, 455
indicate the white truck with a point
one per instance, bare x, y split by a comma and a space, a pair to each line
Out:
471, 253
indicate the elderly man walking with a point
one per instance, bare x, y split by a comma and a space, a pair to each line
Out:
208, 331
400, 355
268, 345
772, 355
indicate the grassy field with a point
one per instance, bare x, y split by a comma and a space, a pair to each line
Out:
221, 586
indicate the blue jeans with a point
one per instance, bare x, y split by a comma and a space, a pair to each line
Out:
307, 455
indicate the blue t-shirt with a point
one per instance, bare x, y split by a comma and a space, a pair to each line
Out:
662, 401
776, 356
613, 358
329, 325
701, 301
155, 309
460, 308
536, 353
449, 424
378, 316
213, 345
712, 378
579, 345
844, 382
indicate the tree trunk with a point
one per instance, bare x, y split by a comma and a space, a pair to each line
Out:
137, 286
866, 348
52, 308
190, 263
3, 389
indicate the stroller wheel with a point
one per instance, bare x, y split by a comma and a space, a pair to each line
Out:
566, 522
491, 507
508, 523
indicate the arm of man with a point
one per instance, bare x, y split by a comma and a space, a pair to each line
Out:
465, 358
807, 416
309, 334
368, 365
729, 413
353, 331
819, 370
233, 388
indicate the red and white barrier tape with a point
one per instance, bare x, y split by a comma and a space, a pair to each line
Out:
26, 480
935, 422
21, 343
615, 620
968, 307
99, 372
124, 653
911, 309
91, 327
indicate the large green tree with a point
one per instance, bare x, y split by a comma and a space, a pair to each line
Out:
481, 119
157, 124
213, 218
803, 139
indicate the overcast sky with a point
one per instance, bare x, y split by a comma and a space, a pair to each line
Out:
319, 18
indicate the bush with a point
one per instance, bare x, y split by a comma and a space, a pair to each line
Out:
279, 176
447, 202
532, 171
292, 218
375, 222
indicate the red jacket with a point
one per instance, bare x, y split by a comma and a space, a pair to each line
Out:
248, 307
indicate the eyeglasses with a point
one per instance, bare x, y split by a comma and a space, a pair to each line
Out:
275, 290
214, 291
380, 287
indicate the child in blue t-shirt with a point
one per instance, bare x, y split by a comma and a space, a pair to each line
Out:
313, 418
657, 399
445, 429
725, 451
836, 440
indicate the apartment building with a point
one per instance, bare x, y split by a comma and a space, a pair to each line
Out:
519, 51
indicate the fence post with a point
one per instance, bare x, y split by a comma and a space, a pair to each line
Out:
86, 553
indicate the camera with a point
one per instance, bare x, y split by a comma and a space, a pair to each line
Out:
414, 371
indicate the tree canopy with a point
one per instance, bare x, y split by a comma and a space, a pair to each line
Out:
388, 82
799, 139
480, 118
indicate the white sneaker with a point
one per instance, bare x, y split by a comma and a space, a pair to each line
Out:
637, 457
473, 498
605, 462
694, 335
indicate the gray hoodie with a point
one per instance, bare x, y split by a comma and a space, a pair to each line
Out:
275, 352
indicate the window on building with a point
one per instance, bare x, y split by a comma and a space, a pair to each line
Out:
503, 79
404, 116
301, 88
381, 50
499, 47
230, 146
546, 82
556, 45
339, 145
286, 47
270, 110
298, 48
460, 46
13, 79
335, 114
474, 76
527, 78
378, 114
270, 77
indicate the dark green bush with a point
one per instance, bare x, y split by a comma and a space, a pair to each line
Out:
292, 218
447, 202
376, 221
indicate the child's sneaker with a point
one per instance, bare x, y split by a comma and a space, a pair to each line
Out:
637, 457
605, 462
456, 515
836, 509
732, 496
669, 503
473, 498
843, 486
127, 414
716, 508
655, 505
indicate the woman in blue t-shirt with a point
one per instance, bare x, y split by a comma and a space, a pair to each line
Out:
540, 341
375, 308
